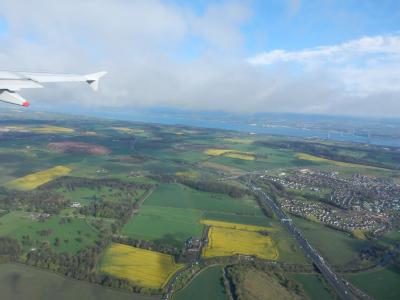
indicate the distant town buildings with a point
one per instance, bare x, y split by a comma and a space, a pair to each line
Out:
357, 202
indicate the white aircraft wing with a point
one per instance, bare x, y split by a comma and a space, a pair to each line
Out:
11, 82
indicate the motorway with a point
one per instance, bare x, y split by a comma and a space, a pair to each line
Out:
333, 279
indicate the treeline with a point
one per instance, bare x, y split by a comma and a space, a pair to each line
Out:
9, 249
72, 183
120, 211
371, 156
210, 186
36, 201
149, 245
215, 187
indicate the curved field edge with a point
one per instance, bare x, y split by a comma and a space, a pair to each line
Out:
229, 242
143, 267
37, 284
34, 180
204, 285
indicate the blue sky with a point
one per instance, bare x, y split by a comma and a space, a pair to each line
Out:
305, 56
285, 25
298, 24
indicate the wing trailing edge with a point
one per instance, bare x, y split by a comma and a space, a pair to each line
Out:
10, 82
13, 98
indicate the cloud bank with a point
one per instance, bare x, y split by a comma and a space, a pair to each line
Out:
160, 53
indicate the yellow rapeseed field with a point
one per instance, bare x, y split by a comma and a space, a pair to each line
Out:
309, 157
236, 226
227, 242
144, 267
359, 234
52, 129
188, 174
239, 141
32, 181
230, 153
42, 129
129, 130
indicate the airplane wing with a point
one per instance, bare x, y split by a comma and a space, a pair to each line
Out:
11, 82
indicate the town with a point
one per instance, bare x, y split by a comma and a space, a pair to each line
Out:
352, 203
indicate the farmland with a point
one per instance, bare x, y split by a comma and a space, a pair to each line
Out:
180, 196
126, 205
146, 268
226, 242
32, 181
175, 212
206, 285
21, 282
237, 226
338, 247
72, 235
314, 286
256, 284
168, 224
316, 159
380, 283
230, 153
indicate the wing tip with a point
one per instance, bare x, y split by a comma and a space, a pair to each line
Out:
93, 79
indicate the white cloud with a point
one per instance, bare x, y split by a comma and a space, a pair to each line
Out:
381, 44
139, 41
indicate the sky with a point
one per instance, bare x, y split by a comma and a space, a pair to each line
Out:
317, 57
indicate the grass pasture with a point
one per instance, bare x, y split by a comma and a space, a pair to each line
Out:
267, 158
314, 286
180, 196
221, 168
32, 181
224, 241
166, 225
85, 195
145, 268
206, 285
337, 247
382, 284
260, 285
73, 235
173, 212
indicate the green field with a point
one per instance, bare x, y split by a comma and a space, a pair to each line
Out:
174, 212
160, 156
18, 282
337, 247
85, 195
73, 235
180, 196
382, 284
288, 248
267, 158
206, 285
164, 224
314, 287
390, 239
